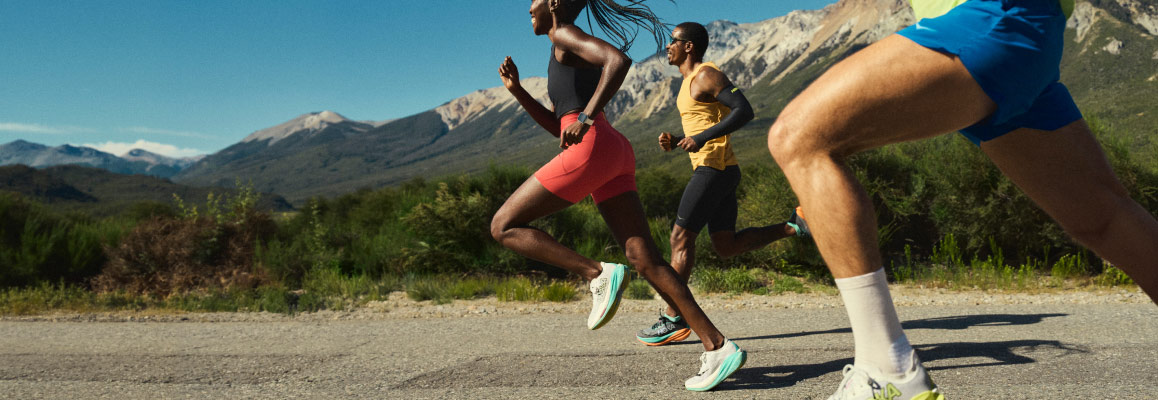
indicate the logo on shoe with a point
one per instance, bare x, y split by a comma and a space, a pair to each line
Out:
889, 393
602, 287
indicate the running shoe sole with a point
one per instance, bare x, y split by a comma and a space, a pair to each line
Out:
730, 365
675, 336
617, 286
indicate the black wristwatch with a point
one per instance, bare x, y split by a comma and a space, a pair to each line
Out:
585, 120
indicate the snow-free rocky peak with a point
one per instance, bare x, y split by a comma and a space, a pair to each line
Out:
306, 122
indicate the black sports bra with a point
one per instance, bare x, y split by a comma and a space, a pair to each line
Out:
570, 88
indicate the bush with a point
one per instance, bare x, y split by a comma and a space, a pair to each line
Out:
788, 284
737, 280
559, 292
209, 249
453, 230
517, 289
38, 246
639, 289
659, 191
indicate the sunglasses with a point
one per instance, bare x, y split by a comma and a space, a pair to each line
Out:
675, 39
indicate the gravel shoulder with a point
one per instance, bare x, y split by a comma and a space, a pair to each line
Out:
399, 306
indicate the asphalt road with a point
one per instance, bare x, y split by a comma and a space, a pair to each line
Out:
973, 352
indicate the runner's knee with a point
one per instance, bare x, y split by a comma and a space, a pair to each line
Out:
643, 259
498, 227
787, 142
725, 248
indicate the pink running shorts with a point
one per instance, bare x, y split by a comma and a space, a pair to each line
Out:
602, 165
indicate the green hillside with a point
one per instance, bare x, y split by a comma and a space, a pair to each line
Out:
1118, 90
98, 192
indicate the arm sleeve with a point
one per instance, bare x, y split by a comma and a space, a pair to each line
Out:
740, 115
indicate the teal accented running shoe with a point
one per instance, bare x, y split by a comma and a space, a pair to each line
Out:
717, 365
666, 330
866, 383
606, 290
796, 221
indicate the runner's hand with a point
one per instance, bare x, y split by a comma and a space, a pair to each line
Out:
688, 144
665, 140
509, 73
573, 134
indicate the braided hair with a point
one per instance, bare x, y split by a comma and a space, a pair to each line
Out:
621, 22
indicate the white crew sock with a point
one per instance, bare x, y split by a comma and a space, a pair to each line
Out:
876, 330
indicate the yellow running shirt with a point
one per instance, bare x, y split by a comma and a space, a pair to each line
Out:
698, 117
937, 8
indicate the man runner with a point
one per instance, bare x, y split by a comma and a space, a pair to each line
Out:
986, 68
711, 108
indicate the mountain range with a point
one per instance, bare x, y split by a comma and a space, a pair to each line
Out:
136, 161
1110, 65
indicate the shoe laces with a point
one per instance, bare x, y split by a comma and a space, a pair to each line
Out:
703, 365
662, 323
849, 386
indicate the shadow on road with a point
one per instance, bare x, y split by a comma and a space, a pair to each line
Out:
994, 353
1000, 353
945, 323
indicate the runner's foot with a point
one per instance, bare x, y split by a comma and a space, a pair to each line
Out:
717, 365
666, 330
606, 290
796, 221
865, 383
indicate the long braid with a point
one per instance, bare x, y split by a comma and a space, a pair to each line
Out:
621, 23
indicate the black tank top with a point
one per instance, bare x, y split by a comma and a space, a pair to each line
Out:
570, 88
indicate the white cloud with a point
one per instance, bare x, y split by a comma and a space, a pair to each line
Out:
153, 147
153, 131
41, 129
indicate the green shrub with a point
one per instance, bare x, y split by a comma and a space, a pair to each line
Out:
43, 297
639, 289
1069, 266
559, 292
443, 288
37, 245
427, 289
1112, 276
517, 289
333, 283
788, 284
737, 280
659, 191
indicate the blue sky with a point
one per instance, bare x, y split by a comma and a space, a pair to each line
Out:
182, 77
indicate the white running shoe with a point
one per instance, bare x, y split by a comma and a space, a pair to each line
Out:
717, 365
867, 383
606, 291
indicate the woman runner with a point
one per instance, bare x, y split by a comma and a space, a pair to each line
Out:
583, 74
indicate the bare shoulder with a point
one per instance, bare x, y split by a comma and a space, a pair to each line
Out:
581, 49
707, 83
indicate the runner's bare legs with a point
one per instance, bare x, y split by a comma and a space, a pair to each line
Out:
624, 215
1066, 173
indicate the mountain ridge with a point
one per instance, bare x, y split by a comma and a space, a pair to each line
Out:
1110, 50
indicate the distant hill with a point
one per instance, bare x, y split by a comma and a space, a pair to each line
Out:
99, 192
1110, 66
136, 161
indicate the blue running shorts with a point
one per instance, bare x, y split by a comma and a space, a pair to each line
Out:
1013, 49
